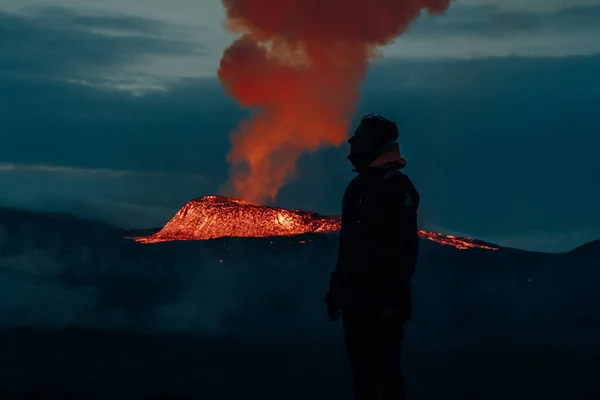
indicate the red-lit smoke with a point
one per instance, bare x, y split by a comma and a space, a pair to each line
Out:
299, 65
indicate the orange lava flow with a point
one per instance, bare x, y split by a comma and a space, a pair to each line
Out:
461, 243
212, 217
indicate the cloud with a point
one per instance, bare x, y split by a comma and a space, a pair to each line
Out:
60, 169
472, 47
530, 6
186, 13
493, 23
9, 167
118, 44
62, 45
485, 31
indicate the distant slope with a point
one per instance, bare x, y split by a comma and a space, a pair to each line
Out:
591, 249
18, 227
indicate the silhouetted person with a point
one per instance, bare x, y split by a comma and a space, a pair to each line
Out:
378, 250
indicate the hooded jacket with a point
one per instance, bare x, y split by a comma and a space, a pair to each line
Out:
378, 241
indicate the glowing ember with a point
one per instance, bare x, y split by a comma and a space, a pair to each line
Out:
213, 217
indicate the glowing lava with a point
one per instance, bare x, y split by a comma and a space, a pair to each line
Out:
461, 243
212, 217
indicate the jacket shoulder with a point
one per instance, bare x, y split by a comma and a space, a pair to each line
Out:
403, 187
399, 179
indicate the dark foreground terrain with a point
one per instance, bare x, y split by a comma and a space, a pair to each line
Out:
85, 314
80, 364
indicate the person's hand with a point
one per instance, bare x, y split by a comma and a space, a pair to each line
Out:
333, 313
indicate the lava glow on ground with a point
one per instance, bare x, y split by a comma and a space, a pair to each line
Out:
212, 217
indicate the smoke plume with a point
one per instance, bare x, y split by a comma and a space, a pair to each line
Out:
299, 65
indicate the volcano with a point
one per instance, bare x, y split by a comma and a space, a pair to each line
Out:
213, 217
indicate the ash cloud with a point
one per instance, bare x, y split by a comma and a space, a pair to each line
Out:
301, 72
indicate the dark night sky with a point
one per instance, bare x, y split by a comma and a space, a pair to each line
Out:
118, 116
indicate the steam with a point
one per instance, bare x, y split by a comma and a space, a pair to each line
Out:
299, 65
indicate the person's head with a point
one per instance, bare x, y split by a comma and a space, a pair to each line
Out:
374, 136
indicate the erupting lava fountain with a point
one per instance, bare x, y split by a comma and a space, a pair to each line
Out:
212, 217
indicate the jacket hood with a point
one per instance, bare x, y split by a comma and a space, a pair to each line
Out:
389, 159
